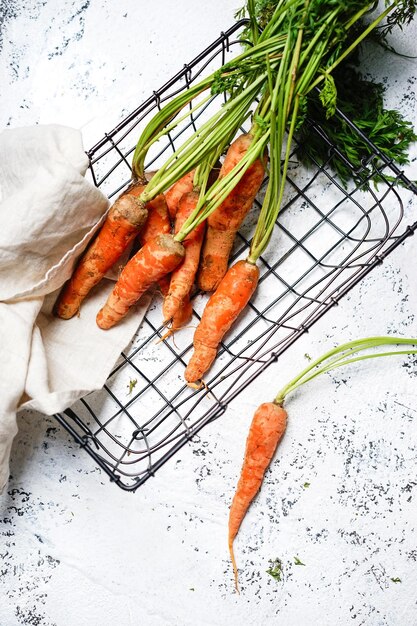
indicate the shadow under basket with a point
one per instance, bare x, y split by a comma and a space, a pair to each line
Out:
327, 238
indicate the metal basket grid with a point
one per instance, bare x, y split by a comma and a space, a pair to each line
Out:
326, 240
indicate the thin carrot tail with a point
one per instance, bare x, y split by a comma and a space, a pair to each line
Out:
170, 307
235, 570
179, 319
162, 338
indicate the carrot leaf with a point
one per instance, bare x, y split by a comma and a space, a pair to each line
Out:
345, 354
132, 384
275, 569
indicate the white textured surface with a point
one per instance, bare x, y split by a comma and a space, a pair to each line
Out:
77, 550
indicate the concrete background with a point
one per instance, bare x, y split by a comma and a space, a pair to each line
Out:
76, 550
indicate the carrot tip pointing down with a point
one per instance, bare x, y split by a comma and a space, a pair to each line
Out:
199, 384
266, 430
235, 571
221, 311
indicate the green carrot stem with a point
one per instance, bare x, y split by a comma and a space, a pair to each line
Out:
342, 357
140, 153
342, 363
339, 351
253, 24
154, 129
275, 20
159, 120
211, 134
263, 234
222, 188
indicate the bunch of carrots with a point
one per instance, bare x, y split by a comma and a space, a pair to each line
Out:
186, 216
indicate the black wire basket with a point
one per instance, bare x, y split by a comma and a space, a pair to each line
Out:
326, 240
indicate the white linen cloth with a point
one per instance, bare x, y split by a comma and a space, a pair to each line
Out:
48, 214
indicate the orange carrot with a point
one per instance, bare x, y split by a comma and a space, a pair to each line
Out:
158, 219
266, 430
181, 317
225, 221
123, 222
222, 309
163, 284
174, 194
182, 278
158, 223
154, 260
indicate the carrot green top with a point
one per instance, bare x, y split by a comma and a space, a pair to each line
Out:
343, 355
290, 47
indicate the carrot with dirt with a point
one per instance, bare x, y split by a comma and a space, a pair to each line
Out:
220, 312
180, 319
266, 430
182, 278
158, 222
225, 221
157, 258
174, 194
153, 261
288, 58
123, 222
185, 185
270, 420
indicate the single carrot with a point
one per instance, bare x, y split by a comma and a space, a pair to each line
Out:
155, 259
270, 420
185, 185
181, 317
222, 309
182, 278
224, 222
174, 194
266, 430
158, 221
163, 284
123, 222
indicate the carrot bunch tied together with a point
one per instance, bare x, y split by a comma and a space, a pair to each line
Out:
270, 420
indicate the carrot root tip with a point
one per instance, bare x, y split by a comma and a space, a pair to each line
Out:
235, 570
198, 385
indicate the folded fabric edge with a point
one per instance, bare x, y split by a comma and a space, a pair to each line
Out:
43, 287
